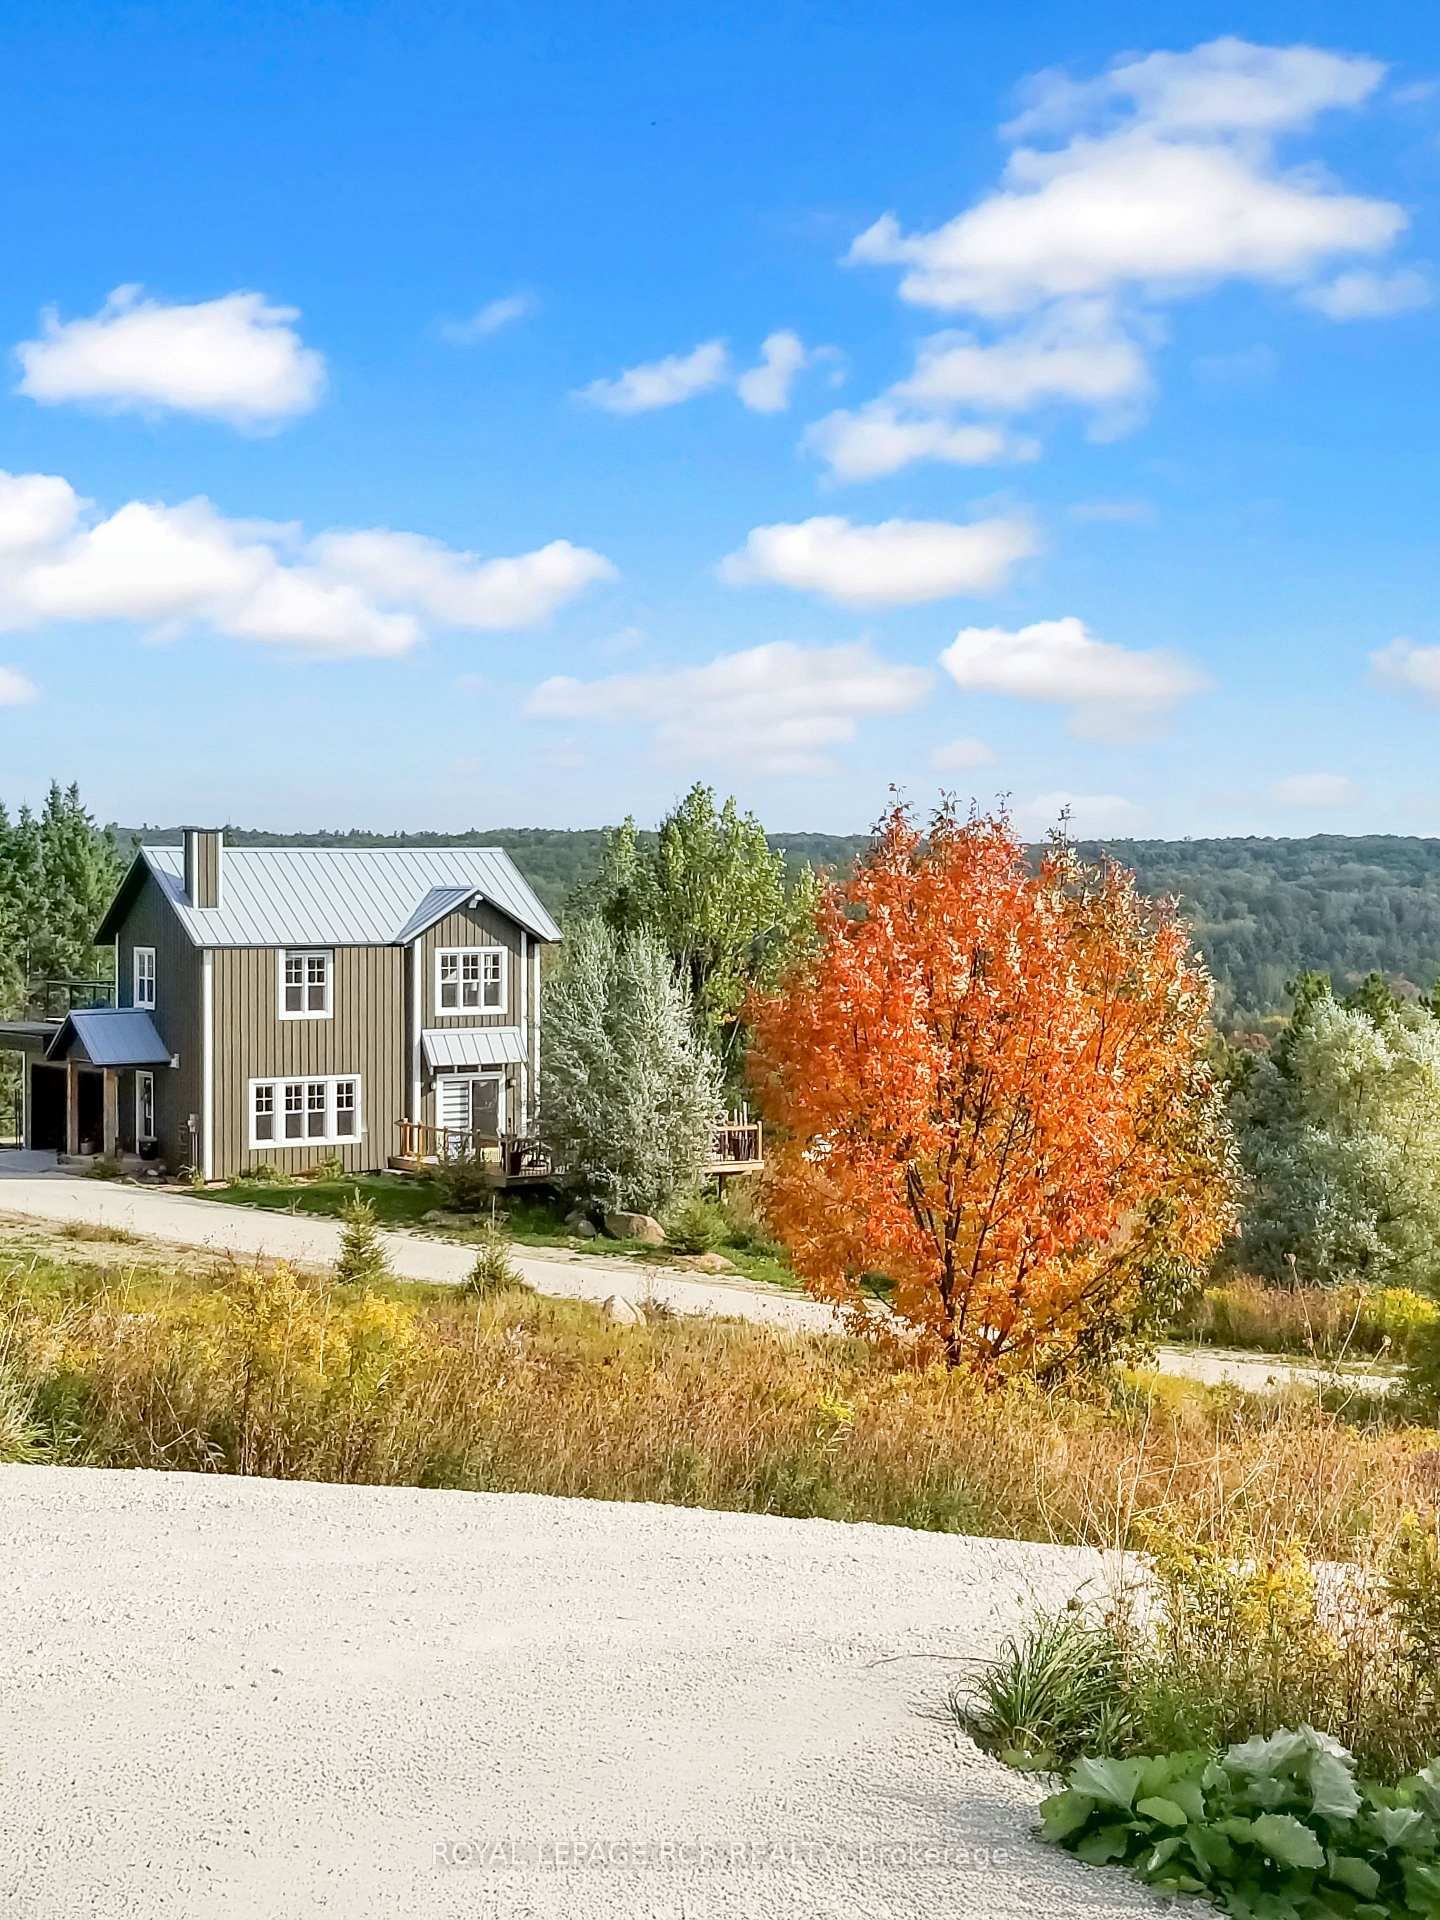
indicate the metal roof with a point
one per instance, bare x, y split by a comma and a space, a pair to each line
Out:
111, 1037
472, 1046
341, 896
437, 903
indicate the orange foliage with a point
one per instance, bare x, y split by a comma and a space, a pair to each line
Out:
987, 1084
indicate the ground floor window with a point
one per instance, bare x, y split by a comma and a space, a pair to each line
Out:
144, 1108
305, 1113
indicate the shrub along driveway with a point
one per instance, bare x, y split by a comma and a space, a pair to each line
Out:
266, 1698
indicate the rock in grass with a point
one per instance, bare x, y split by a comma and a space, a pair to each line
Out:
635, 1226
712, 1263
622, 1312
584, 1229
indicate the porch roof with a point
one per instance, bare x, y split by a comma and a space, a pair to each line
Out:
473, 1046
110, 1037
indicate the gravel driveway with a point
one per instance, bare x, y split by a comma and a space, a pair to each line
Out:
183, 1220
232, 1699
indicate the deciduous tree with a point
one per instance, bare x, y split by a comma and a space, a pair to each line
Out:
988, 1084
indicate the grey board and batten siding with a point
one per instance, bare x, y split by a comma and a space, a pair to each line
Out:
478, 926
177, 1017
364, 1036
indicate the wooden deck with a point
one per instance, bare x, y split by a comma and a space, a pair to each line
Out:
514, 1160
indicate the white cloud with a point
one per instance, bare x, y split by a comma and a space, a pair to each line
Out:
1074, 352
1112, 691
766, 388
36, 509
878, 440
236, 359
1225, 86
170, 568
460, 589
1134, 212
15, 689
894, 563
1087, 816
960, 756
1360, 295
1314, 790
1403, 664
662, 383
780, 708
1183, 193
489, 319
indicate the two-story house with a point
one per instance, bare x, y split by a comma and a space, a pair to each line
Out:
293, 1004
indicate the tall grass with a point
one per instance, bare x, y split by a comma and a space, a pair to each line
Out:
1330, 1323
271, 1373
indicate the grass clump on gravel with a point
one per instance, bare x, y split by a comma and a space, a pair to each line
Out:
403, 1385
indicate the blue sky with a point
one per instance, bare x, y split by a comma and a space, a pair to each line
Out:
1090, 459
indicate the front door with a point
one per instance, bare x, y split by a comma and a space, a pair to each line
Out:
144, 1109
468, 1108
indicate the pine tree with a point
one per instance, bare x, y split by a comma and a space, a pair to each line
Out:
363, 1261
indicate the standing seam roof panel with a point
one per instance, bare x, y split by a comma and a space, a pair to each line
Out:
324, 896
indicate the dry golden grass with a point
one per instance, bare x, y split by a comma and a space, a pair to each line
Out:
271, 1373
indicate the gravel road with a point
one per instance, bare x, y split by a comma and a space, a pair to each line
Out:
234, 1699
183, 1220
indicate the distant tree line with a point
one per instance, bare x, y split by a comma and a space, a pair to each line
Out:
1263, 911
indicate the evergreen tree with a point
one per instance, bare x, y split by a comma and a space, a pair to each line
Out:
80, 865
631, 1094
363, 1260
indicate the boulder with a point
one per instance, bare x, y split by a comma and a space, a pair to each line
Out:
635, 1226
583, 1229
622, 1312
713, 1263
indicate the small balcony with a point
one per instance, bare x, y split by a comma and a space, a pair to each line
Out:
53, 999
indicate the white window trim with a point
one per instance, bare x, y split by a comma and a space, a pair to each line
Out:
147, 1004
480, 1012
330, 1138
141, 1080
305, 1013
471, 1077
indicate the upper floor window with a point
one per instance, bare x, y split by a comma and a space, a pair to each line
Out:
144, 977
307, 982
470, 980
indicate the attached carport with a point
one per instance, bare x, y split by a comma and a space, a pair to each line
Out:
95, 1046
42, 1088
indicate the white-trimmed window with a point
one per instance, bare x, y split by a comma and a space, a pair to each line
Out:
144, 995
307, 981
305, 1112
470, 980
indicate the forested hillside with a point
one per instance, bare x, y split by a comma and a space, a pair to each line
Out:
1262, 909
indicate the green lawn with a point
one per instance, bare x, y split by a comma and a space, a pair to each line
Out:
402, 1200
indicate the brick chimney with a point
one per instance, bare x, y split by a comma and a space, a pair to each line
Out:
204, 861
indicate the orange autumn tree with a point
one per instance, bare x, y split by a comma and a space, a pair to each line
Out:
987, 1083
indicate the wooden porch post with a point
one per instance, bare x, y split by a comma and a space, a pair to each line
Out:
72, 1107
110, 1125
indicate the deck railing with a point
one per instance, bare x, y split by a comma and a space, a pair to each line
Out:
511, 1155
737, 1146
53, 999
